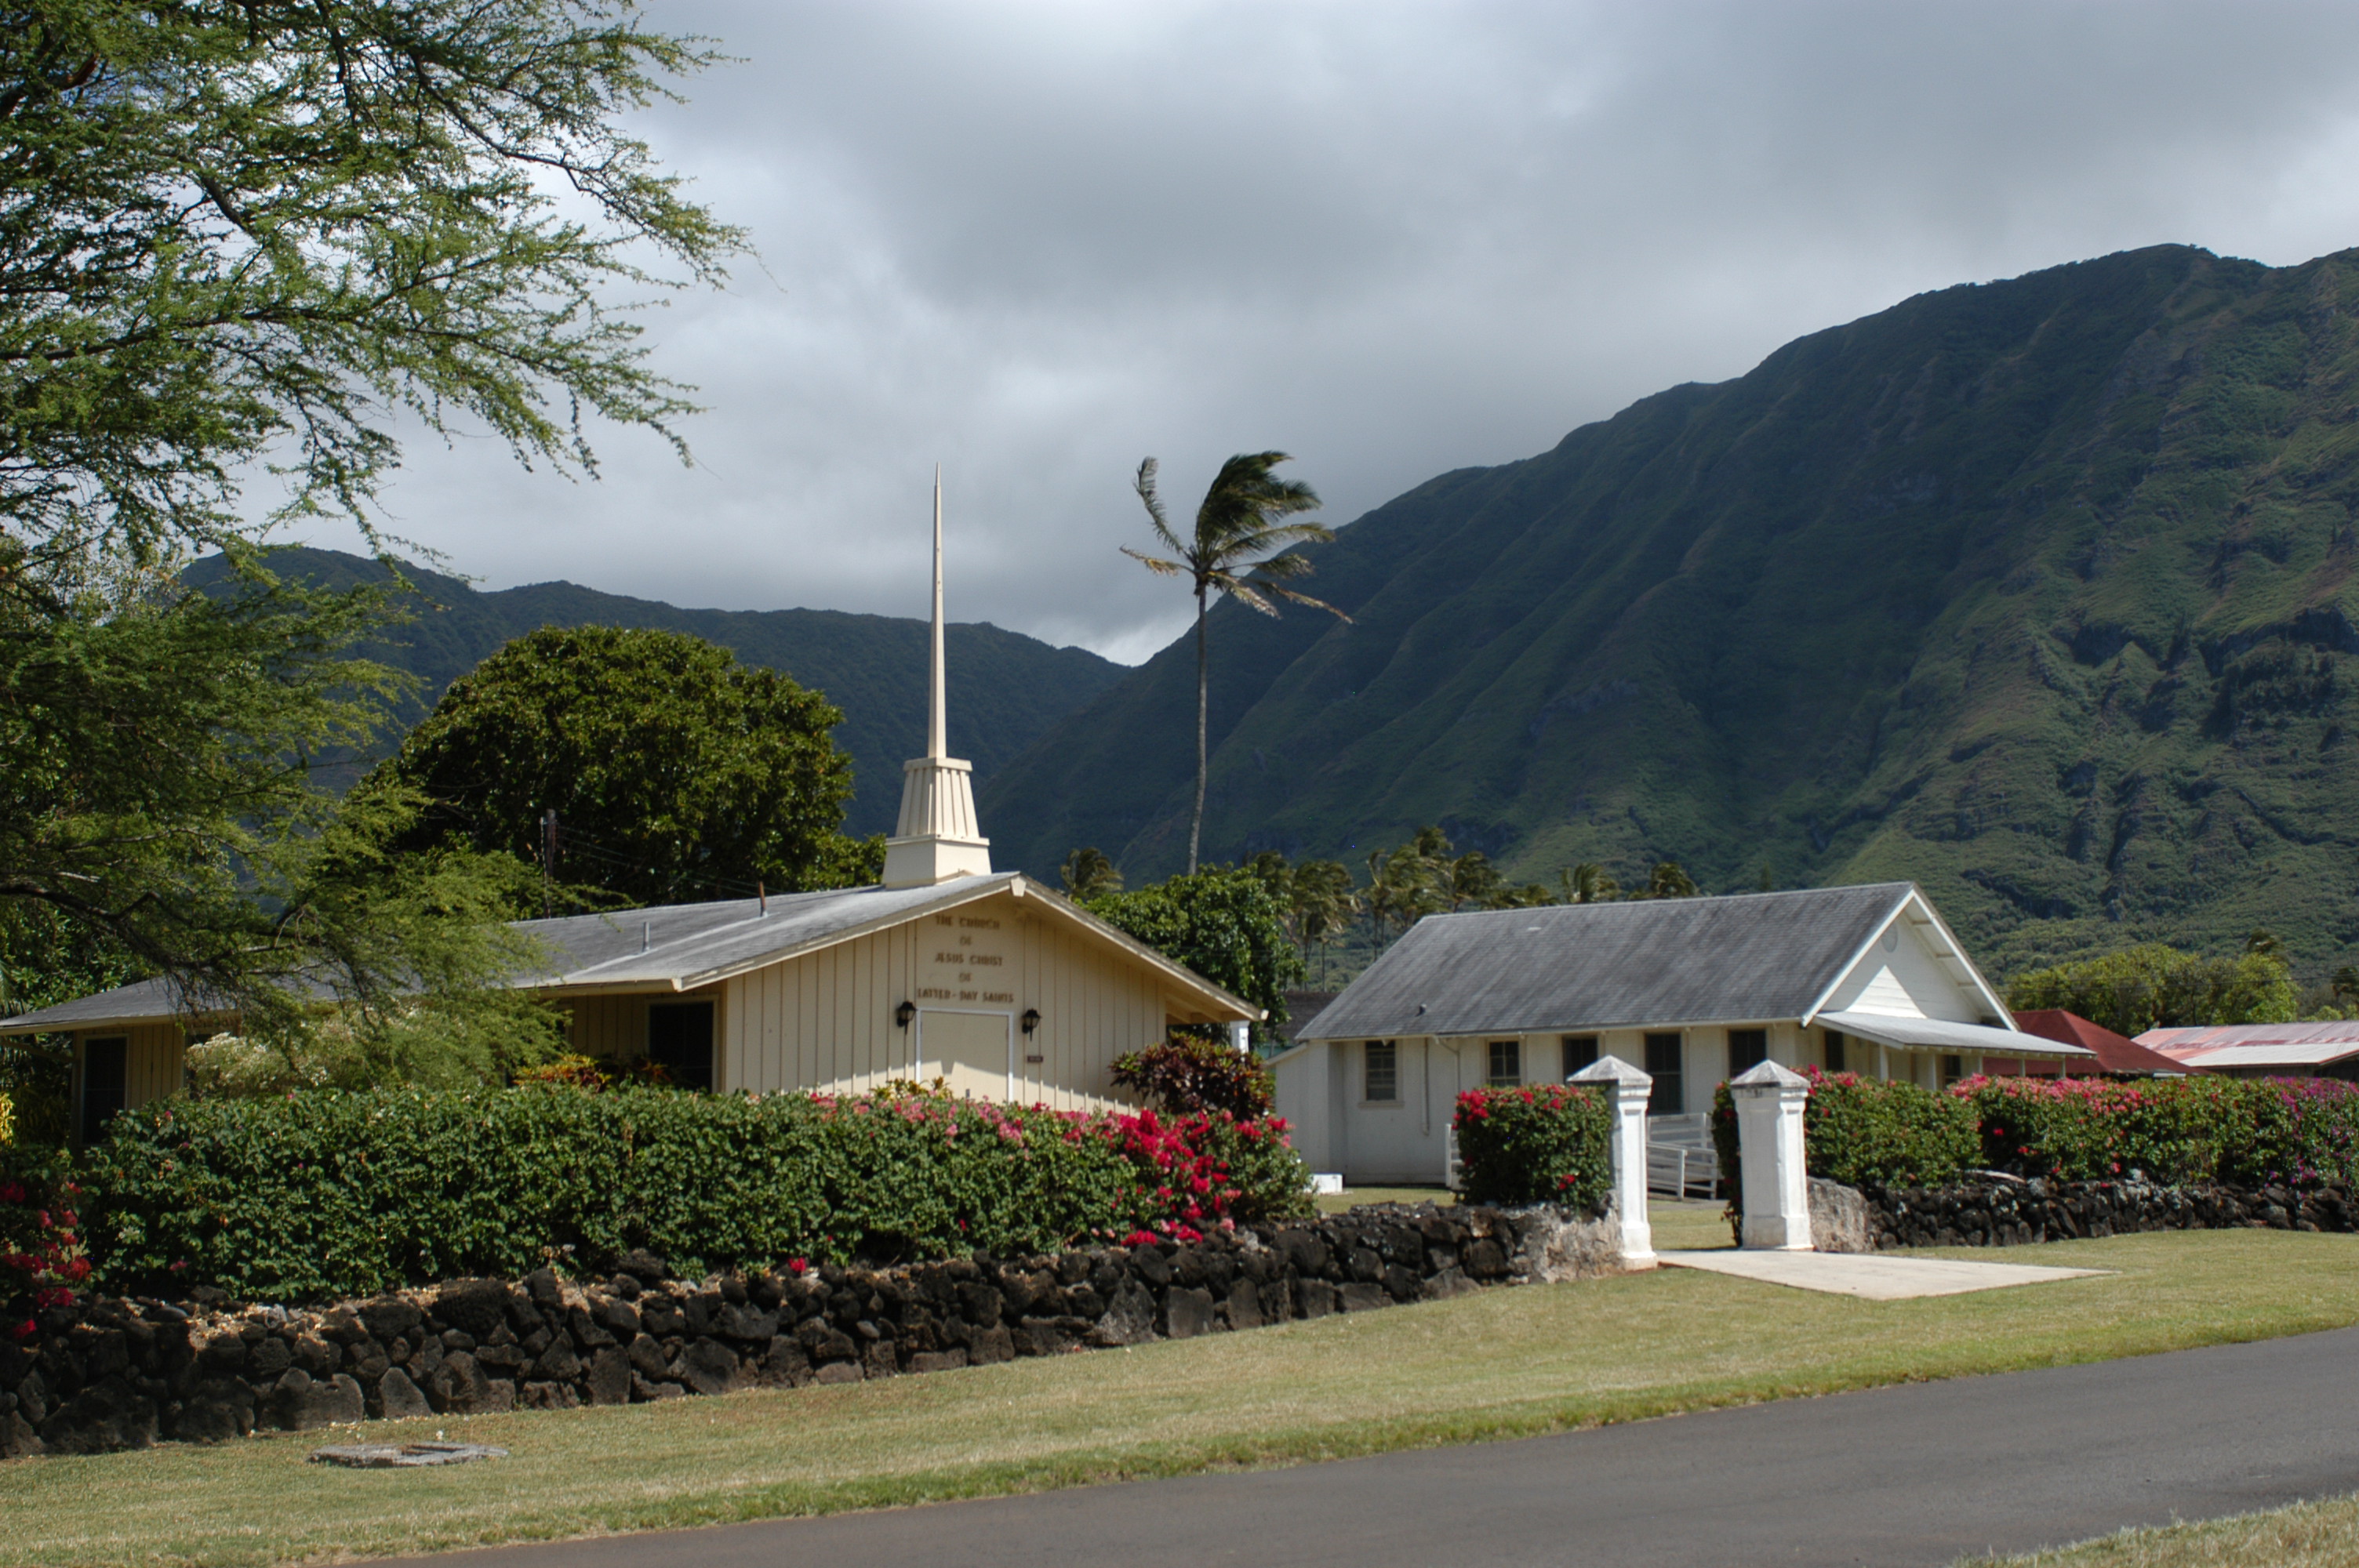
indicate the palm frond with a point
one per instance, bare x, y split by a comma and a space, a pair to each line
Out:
1156, 564
1144, 485
1292, 596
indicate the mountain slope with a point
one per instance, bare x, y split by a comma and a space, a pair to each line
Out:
1005, 688
2035, 591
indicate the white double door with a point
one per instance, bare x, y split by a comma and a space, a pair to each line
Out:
975, 1051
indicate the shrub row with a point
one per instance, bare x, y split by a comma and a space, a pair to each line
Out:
1547, 1143
328, 1194
2245, 1133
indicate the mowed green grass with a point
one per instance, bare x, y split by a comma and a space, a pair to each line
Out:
1503, 1363
2307, 1535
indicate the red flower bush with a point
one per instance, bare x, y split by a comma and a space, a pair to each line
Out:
1189, 1078
42, 1257
1541, 1143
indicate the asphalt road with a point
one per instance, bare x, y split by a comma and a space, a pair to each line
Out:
1921, 1473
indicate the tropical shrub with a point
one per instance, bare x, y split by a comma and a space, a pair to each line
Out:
2243, 1131
41, 1254
1540, 1143
1185, 1077
2159, 987
328, 1193
1224, 923
1864, 1132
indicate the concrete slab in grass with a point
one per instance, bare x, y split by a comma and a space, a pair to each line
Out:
1877, 1277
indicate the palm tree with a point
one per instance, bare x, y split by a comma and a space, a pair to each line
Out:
1087, 874
1671, 879
1240, 548
1322, 904
1589, 882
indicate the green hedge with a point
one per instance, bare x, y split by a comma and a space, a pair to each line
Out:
2242, 1132
2245, 1132
1551, 1143
328, 1194
1866, 1132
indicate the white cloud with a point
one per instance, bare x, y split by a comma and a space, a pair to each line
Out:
1037, 242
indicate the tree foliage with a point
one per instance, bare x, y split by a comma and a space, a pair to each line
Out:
2159, 987
251, 230
1088, 873
676, 772
1223, 923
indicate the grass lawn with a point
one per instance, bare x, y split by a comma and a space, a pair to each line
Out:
2307, 1535
1502, 1364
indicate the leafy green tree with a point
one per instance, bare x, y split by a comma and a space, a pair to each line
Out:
676, 772
259, 235
1088, 874
1239, 548
1588, 882
1220, 921
1671, 879
251, 231
2159, 987
183, 834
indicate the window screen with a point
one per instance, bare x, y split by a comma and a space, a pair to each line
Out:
1746, 1048
1835, 1052
1381, 1080
1579, 1051
1507, 1063
680, 1040
103, 1072
1663, 1066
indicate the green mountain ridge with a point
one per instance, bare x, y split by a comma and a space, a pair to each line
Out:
2037, 592
1005, 688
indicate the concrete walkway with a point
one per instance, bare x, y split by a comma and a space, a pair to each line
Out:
1872, 1276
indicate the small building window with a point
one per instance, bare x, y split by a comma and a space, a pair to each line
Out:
1952, 1069
1579, 1051
105, 1081
1506, 1064
680, 1040
1746, 1048
1663, 1065
1835, 1052
1380, 1080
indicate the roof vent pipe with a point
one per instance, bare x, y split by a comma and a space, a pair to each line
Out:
646, 935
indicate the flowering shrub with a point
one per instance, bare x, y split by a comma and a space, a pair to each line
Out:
2243, 1131
1183, 1078
1540, 1143
330, 1193
41, 1253
1863, 1132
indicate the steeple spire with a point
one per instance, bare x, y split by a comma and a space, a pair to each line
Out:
937, 724
937, 837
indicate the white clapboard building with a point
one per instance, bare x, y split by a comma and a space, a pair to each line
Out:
1868, 980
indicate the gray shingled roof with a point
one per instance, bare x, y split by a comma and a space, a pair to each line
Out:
679, 945
1750, 959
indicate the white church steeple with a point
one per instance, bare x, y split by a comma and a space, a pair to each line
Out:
937, 837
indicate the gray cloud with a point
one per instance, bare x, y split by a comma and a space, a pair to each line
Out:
1037, 242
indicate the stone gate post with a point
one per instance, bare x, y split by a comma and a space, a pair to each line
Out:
1769, 1146
1626, 1089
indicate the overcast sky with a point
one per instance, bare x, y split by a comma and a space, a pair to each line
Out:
1040, 242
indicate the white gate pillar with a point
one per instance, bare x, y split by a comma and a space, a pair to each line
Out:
1769, 1147
1626, 1089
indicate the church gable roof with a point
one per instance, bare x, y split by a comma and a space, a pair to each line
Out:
1747, 958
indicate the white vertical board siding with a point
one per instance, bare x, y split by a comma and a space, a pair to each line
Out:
824, 1022
154, 1061
1905, 980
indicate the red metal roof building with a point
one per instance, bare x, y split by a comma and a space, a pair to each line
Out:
2115, 1053
2323, 1050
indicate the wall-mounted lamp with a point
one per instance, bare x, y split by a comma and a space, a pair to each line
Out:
903, 1013
1031, 1018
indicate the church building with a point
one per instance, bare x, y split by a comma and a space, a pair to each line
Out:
944, 968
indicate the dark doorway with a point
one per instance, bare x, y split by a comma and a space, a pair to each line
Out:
1669, 1099
680, 1040
104, 1080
